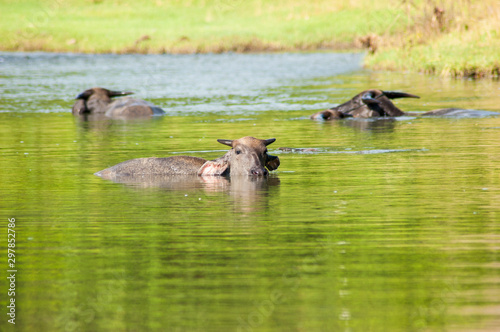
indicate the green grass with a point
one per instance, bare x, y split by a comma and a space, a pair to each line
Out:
182, 26
466, 43
406, 34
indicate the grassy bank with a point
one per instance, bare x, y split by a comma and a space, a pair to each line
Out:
450, 38
464, 40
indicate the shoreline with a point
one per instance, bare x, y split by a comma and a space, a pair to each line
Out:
474, 72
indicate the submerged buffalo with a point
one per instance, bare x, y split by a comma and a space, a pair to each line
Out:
368, 104
377, 103
248, 156
99, 101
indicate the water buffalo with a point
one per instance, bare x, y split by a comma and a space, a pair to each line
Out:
368, 104
98, 101
248, 156
376, 103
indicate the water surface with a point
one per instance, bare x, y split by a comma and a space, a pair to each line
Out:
387, 225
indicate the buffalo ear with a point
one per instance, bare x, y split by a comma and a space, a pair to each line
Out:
85, 94
269, 141
213, 167
272, 163
368, 99
228, 142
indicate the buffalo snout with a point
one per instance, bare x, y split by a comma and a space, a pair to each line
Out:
259, 172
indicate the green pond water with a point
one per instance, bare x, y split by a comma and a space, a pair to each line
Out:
389, 225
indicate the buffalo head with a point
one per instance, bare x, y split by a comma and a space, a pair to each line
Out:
95, 100
248, 156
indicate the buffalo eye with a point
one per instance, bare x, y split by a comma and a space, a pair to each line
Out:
238, 151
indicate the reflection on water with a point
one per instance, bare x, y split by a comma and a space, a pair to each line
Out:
248, 193
100, 122
371, 124
368, 225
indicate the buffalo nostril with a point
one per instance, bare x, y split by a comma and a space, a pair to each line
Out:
259, 172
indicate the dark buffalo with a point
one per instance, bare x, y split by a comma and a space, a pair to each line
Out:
377, 103
368, 104
248, 156
99, 101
